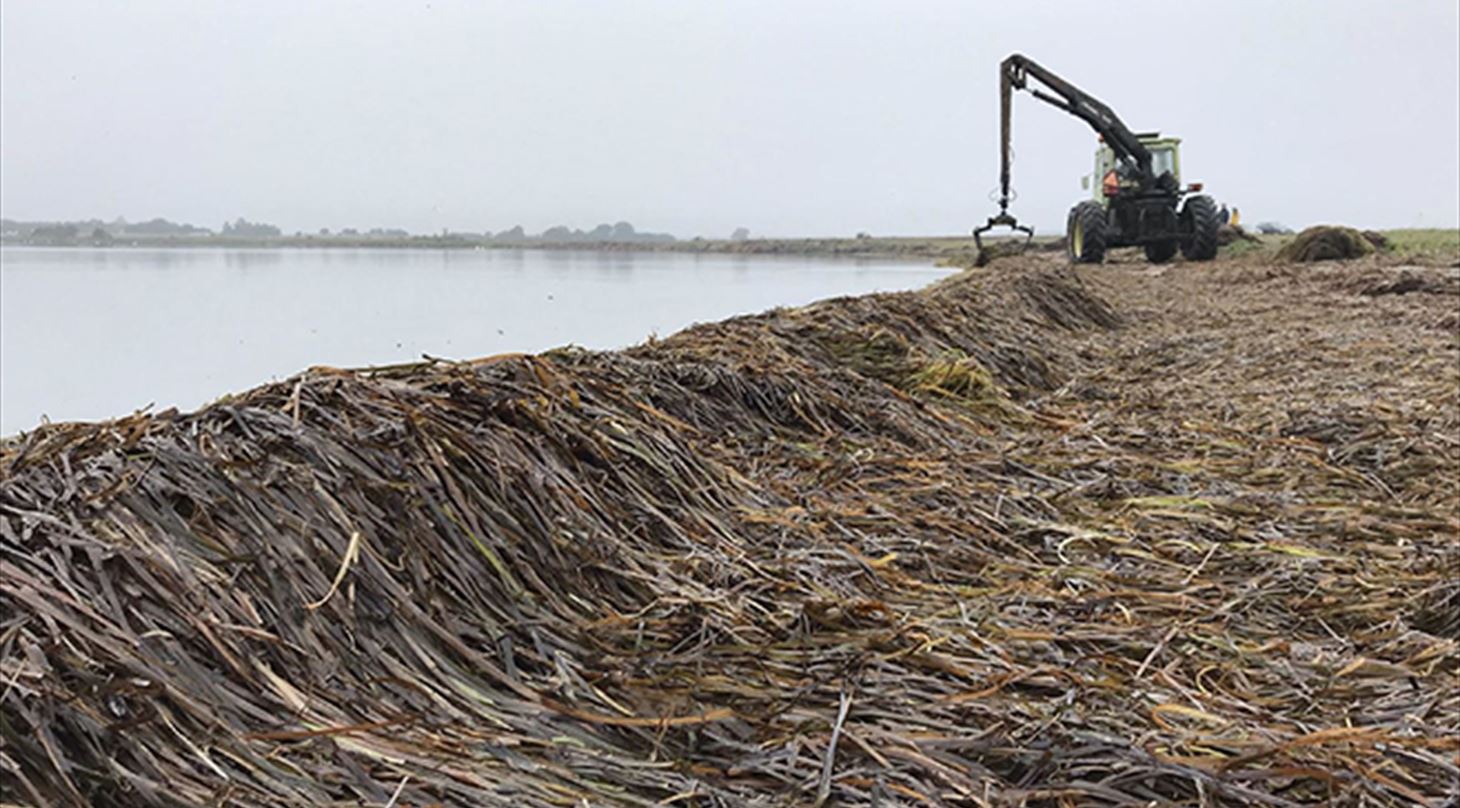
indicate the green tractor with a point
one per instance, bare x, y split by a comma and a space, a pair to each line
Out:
1137, 199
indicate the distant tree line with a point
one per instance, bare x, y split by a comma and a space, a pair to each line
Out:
243, 228
96, 232
561, 234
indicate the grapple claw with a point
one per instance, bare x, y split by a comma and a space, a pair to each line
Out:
1001, 220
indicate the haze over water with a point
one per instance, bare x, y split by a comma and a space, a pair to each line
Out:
92, 333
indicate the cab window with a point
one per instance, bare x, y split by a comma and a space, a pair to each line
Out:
1162, 161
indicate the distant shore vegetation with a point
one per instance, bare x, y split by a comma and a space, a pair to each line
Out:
162, 232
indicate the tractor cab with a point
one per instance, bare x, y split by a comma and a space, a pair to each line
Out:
1108, 179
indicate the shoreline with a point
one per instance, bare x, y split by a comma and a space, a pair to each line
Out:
950, 248
1428, 245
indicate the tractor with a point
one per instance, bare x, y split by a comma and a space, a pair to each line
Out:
1137, 197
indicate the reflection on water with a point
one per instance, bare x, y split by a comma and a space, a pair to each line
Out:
95, 333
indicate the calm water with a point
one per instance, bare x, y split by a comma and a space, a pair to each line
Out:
93, 333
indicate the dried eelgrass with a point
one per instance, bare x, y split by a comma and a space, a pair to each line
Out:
777, 560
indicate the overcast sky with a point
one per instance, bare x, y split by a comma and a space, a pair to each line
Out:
789, 118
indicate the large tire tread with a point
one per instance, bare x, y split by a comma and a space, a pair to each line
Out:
1201, 212
1159, 252
1089, 217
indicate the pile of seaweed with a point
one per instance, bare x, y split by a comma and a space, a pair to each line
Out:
1327, 243
1229, 234
866, 551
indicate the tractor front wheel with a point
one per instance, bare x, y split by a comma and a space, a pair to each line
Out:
1085, 233
1159, 252
1200, 217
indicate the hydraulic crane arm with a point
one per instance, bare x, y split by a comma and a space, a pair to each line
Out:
1015, 72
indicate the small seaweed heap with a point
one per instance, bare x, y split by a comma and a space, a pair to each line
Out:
952, 547
1326, 243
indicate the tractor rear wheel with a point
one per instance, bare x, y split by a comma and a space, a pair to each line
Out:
1085, 233
1159, 252
1200, 216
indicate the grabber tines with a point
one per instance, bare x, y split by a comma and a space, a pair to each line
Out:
1001, 220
